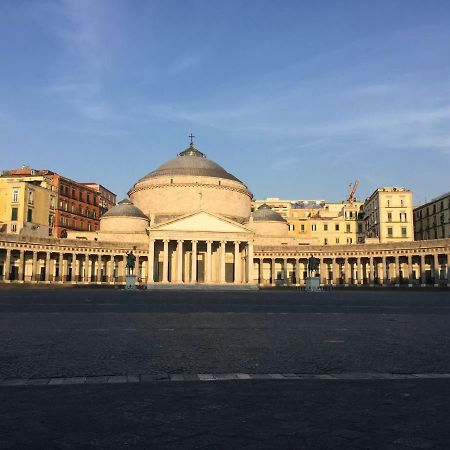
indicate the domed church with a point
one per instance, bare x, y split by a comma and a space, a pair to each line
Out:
195, 218
189, 223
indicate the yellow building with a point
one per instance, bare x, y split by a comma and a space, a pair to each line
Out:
26, 207
388, 215
327, 223
432, 220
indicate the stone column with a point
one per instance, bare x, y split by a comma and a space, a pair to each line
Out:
237, 261
261, 271
99, 267
60, 267
7, 269
397, 269
250, 263
34, 275
346, 270
222, 262
285, 271
423, 277
87, 274
179, 278
334, 271
383, 270
272, 271
436, 268
323, 272
112, 262
208, 268
370, 272
165, 278
410, 270
151, 262
297, 272
360, 271
47, 266
73, 264
194, 262
21, 264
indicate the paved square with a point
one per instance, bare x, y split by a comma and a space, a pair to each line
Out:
267, 369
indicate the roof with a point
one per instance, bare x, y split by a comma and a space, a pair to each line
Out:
266, 214
190, 162
125, 209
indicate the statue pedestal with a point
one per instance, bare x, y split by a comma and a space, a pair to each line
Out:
312, 284
130, 281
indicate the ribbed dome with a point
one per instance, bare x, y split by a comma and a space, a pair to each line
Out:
125, 209
266, 214
193, 163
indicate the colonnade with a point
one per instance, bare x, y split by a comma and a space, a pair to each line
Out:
191, 261
411, 269
181, 261
22, 265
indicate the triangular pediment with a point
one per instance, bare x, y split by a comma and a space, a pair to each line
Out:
202, 222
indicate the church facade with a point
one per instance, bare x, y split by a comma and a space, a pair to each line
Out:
189, 223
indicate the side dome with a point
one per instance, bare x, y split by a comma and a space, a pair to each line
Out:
190, 183
266, 221
124, 217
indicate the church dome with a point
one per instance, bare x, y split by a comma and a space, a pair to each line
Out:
125, 209
266, 214
190, 162
190, 183
267, 222
124, 218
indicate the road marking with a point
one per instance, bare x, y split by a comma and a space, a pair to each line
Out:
217, 377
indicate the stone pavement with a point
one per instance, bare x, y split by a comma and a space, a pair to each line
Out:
271, 369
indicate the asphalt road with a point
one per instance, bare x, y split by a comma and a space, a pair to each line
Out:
62, 333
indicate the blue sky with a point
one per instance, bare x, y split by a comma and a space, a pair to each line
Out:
296, 98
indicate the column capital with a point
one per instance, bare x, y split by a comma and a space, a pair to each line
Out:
209, 241
194, 241
223, 242
180, 241
236, 242
166, 241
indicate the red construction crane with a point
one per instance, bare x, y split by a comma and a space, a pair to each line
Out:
351, 191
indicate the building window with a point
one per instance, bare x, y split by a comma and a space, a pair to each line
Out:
348, 229
13, 227
52, 203
30, 197
389, 217
314, 227
402, 202
325, 227
302, 227
360, 228
325, 241
89, 226
30, 215
402, 217
388, 203
15, 195
349, 240
389, 232
336, 227
404, 233
337, 240
14, 213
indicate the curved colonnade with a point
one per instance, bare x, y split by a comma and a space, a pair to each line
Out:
418, 263
218, 262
